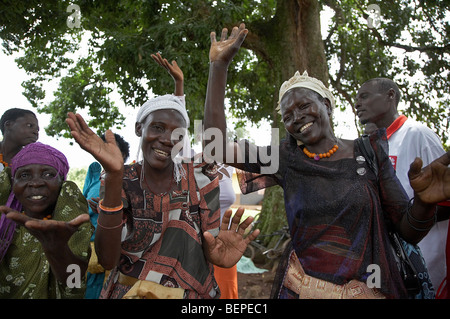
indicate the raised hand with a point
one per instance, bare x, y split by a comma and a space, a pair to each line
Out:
228, 247
225, 49
431, 183
107, 153
174, 70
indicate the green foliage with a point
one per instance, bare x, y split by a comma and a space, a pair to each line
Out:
411, 46
77, 175
121, 37
272, 222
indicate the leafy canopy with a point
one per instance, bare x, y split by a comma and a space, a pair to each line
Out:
410, 45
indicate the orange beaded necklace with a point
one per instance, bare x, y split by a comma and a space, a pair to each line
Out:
321, 155
49, 216
2, 161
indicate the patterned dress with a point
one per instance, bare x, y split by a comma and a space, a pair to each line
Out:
162, 239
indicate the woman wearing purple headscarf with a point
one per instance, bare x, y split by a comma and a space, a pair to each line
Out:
44, 227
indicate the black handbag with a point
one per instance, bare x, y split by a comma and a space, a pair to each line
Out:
407, 269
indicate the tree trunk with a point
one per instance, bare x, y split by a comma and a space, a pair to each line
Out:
294, 44
300, 44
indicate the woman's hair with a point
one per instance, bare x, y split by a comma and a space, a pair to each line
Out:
123, 145
12, 115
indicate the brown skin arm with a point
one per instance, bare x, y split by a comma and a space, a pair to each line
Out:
107, 238
220, 55
53, 236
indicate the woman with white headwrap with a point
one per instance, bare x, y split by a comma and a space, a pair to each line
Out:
158, 226
338, 209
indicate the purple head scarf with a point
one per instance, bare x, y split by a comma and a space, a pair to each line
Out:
38, 153
34, 153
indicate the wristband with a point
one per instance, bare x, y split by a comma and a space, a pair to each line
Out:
109, 210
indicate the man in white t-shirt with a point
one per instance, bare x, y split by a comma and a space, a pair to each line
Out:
376, 102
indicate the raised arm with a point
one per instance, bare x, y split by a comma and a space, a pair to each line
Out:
220, 56
108, 234
175, 72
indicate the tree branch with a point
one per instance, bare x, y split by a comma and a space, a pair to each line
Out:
407, 48
337, 85
410, 48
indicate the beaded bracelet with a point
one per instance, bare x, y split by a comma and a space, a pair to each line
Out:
113, 227
110, 210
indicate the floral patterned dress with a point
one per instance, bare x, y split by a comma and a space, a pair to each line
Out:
25, 272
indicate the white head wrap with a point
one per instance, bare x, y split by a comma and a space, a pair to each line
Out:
168, 102
305, 81
164, 102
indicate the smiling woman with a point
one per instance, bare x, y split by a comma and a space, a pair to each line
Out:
156, 123
159, 221
338, 209
50, 227
37, 187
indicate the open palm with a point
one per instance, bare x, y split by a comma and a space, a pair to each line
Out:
107, 153
228, 247
174, 70
226, 48
49, 232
